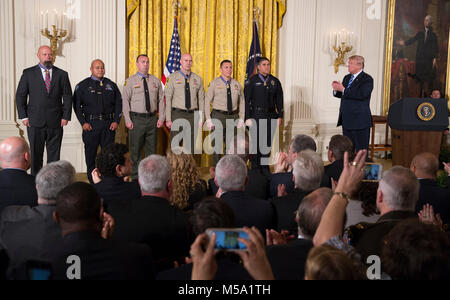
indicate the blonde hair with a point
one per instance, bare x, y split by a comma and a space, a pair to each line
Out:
185, 176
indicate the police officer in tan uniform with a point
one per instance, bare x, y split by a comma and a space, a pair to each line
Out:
228, 100
142, 96
184, 97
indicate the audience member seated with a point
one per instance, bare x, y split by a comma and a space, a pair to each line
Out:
416, 251
152, 220
364, 209
308, 173
339, 144
288, 259
283, 169
328, 263
189, 188
211, 213
425, 166
231, 177
16, 186
114, 165
258, 183
28, 233
254, 258
86, 231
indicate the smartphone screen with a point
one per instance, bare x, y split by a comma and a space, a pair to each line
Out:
373, 172
227, 239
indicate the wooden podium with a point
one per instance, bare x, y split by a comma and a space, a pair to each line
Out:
417, 126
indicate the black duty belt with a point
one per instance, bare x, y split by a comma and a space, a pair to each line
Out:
144, 115
102, 117
261, 109
183, 110
226, 112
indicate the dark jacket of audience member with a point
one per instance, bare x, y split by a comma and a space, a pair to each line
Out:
337, 147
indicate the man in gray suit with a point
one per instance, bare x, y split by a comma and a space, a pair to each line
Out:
44, 104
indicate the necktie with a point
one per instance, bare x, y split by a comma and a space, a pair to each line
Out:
47, 80
426, 36
147, 95
229, 99
188, 95
351, 81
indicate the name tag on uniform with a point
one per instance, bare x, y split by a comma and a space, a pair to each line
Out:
258, 84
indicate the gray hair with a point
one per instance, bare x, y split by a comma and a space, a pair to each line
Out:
400, 189
303, 142
231, 173
311, 210
154, 174
53, 178
308, 170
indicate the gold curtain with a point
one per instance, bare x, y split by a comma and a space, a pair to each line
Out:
210, 30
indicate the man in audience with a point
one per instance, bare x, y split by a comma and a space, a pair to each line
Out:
85, 229
283, 169
288, 260
231, 177
211, 213
339, 144
16, 186
151, 219
425, 166
308, 172
29, 233
258, 184
114, 164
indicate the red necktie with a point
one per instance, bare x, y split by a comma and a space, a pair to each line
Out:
47, 80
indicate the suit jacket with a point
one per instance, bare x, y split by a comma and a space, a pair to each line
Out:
153, 221
354, 113
43, 108
426, 52
28, 233
103, 259
114, 189
251, 211
285, 208
281, 178
17, 188
257, 186
288, 261
334, 171
431, 193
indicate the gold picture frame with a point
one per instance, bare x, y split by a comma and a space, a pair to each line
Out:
390, 43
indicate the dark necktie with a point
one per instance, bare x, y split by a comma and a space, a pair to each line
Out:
229, 98
147, 95
188, 95
47, 80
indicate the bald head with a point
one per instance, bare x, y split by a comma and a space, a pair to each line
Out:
15, 153
98, 69
186, 63
425, 165
45, 56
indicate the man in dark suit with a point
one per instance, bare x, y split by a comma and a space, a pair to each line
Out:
87, 231
425, 166
16, 186
308, 173
426, 56
231, 177
288, 259
355, 92
339, 144
113, 165
151, 219
48, 109
29, 233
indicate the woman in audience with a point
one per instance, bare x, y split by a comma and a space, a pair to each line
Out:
188, 188
364, 209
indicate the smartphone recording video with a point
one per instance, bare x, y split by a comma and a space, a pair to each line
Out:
373, 172
227, 239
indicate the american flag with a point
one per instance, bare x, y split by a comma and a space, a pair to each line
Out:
255, 54
173, 61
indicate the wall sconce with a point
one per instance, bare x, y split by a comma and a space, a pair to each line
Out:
58, 23
341, 43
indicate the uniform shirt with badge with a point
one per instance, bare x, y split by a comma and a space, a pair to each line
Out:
218, 95
175, 93
134, 96
94, 98
263, 94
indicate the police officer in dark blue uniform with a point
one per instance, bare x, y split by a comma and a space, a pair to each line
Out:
263, 101
98, 105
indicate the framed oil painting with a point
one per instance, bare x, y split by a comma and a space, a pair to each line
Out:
417, 50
